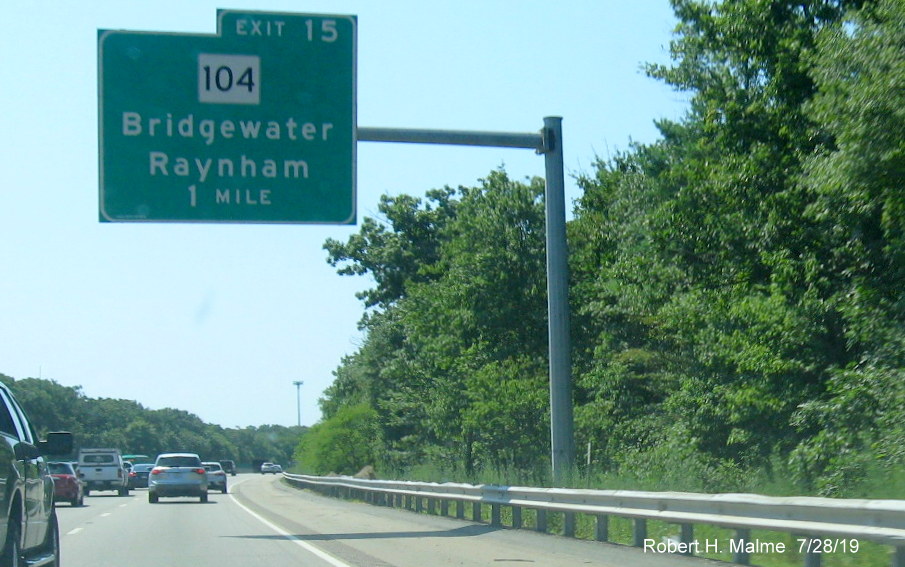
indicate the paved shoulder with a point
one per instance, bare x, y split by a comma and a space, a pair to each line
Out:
359, 534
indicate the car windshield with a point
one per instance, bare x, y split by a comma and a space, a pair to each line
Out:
178, 461
59, 468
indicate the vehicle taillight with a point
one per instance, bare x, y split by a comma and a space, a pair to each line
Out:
199, 471
156, 471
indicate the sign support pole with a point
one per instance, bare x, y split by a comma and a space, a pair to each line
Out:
549, 143
561, 418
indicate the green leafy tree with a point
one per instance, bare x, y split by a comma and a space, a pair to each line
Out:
859, 206
398, 249
507, 417
703, 243
342, 444
467, 292
488, 306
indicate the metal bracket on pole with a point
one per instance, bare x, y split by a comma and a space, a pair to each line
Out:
547, 142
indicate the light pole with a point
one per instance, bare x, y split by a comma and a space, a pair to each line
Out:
298, 400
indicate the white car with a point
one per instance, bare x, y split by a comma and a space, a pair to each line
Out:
216, 476
271, 468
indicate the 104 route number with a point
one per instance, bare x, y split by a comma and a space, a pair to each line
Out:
229, 79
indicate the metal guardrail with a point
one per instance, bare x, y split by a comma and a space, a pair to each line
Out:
824, 525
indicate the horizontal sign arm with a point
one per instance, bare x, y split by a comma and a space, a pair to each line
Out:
454, 137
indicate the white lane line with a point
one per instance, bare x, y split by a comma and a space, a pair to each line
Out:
75, 531
303, 544
105, 514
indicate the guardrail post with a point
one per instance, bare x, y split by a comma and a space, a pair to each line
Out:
431, 506
460, 509
811, 559
639, 532
898, 557
740, 556
476, 511
444, 507
495, 519
686, 535
568, 525
602, 528
541, 521
517, 517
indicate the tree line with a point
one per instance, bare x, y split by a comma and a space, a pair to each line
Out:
135, 429
738, 313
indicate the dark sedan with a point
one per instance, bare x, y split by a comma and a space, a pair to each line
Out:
138, 478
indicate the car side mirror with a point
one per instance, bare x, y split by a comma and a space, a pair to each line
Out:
26, 452
57, 443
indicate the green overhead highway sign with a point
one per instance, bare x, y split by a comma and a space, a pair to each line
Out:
255, 124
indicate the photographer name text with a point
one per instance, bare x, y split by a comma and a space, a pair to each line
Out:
751, 546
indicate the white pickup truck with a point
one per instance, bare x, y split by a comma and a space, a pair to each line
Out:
102, 469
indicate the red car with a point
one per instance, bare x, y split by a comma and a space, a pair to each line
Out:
66, 484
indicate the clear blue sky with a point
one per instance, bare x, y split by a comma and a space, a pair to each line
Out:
219, 320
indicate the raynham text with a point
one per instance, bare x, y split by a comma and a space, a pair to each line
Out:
161, 163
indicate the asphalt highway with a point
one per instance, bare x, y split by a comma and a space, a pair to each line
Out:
262, 521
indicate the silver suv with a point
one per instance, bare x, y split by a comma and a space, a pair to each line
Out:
177, 474
28, 526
